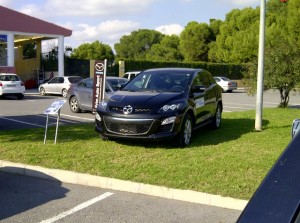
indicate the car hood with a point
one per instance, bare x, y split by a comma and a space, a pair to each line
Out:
144, 99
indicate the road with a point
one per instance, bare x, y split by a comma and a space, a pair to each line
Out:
241, 101
33, 200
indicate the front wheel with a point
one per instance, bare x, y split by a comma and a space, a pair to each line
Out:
103, 137
184, 136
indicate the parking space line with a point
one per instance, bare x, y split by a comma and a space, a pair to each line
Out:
27, 123
77, 208
71, 116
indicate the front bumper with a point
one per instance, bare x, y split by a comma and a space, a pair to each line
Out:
137, 128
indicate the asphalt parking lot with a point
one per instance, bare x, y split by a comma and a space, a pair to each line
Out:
29, 112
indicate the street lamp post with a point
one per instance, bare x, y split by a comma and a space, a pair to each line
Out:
260, 69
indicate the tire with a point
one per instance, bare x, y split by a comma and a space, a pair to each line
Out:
20, 96
103, 137
217, 118
74, 105
64, 92
184, 137
42, 91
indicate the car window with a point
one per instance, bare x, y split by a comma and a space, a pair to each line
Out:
74, 80
225, 79
9, 78
61, 80
88, 83
163, 81
204, 79
210, 77
54, 80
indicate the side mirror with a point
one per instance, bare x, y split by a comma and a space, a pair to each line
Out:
295, 127
198, 89
120, 86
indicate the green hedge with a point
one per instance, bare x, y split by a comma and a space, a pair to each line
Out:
81, 67
232, 71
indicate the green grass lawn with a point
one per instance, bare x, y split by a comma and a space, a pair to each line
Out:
230, 161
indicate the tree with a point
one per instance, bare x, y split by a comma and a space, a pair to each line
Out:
166, 50
194, 40
237, 41
282, 55
137, 44
93, 51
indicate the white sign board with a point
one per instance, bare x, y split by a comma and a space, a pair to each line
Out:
54, 107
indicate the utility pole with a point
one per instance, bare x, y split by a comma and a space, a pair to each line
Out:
260, 69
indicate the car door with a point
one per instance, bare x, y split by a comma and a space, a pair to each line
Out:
85, 93
210, 93
50, 87
199, 96
59, 86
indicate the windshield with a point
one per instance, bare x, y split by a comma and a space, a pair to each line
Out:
162, 81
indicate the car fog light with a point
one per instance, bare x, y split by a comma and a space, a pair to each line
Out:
98, 117
168, 120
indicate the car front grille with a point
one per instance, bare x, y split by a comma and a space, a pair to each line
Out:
128, 126
135, 110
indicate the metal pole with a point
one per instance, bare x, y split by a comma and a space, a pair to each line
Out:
57, 123
260, 69
46, 129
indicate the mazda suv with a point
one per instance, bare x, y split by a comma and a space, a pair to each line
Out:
163, 103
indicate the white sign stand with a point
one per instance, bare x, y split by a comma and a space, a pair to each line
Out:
54, 109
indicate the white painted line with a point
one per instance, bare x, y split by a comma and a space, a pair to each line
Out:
27, 123
77, 208
71, 116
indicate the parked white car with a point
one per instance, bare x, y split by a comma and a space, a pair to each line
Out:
11, 84
59, 85
226, 84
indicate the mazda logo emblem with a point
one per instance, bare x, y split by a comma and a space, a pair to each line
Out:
127, 110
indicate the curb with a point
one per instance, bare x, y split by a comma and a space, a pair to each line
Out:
122, 185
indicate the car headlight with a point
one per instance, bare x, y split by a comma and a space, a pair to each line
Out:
98, 117
171, 107
102, 105
169, 120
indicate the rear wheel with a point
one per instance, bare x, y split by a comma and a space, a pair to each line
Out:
64, 92
20, 96
42, 91
184, 136
217, 118
74, 105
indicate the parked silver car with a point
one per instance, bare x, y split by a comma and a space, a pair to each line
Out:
11, 84
226, 84
58, 85
80, 95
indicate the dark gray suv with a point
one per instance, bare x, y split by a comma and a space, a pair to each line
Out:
165, 103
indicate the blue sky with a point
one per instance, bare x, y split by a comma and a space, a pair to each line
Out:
108, 20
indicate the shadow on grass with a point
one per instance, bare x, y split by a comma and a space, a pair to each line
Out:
229, 130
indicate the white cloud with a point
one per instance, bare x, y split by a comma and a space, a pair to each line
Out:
241, 3
170, 29
108, 32
96, 7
